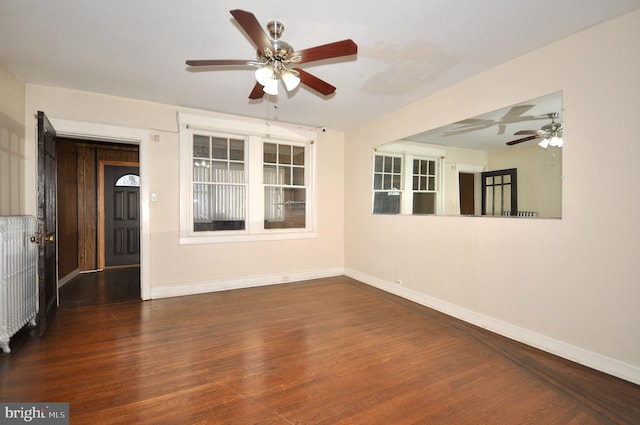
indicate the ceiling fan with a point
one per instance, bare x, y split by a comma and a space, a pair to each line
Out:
551, 134
514, 115
276, 57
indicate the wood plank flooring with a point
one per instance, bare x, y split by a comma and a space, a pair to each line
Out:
108, 286
330, 351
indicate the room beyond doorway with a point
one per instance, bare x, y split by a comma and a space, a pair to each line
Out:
80, 212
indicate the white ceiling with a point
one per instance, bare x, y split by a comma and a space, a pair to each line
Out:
408, 49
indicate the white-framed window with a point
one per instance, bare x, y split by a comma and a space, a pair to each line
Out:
240, 183
285, 189
219, 182
387, 183
424, 185
408, 183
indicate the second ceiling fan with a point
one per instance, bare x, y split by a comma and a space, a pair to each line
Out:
551, 134
275, 58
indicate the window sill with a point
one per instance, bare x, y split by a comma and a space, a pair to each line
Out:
213, 239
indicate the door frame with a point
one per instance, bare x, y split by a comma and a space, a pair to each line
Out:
101, 208
118, 134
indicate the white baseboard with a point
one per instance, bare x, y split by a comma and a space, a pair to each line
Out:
201, 287
559, 348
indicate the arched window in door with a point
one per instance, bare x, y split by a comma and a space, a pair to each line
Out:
128, 180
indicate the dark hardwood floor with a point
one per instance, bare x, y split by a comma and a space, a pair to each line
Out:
102, 287
330, 351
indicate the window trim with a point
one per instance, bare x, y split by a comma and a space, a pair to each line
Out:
255, 134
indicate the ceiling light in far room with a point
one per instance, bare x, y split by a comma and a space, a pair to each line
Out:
556, 141
553, 140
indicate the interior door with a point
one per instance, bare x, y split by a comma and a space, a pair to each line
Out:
121, 215
500, 192
47, 263
466, 182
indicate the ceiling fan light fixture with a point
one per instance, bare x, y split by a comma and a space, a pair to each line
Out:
271, 87
544, 143
290, 80
555, 141
264, 75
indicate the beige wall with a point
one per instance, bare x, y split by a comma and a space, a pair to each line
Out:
539, 177
570, 286
175, 269
12, 144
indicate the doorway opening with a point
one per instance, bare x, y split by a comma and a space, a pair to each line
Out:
91, 209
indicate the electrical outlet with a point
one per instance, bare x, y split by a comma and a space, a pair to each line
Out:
285, 278
398, 282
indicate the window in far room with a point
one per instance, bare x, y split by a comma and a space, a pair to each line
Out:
387, 184
406, 183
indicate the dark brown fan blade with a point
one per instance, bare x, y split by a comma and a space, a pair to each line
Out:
524, 139
252, 27
327, 51
523, 132
219, 62
257, 92
315, 83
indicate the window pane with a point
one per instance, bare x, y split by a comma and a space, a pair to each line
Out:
219, 171
285, 208
416, 166
377, 166
284, 154
218, 207
219, 148
285, 174
128, 180
200, 146
416, 183
396, 182
236, 150
388, 164
269, 152
424, 203
432, 183
298, 155
397, 165
423, 183
298, 176
383, 203
270, 174
236, 172
201, 170
377, 181
386, 185
423, 167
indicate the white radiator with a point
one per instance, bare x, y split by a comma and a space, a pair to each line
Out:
18, 288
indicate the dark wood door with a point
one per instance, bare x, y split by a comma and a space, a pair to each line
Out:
467, 196
121, 215
47, 266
